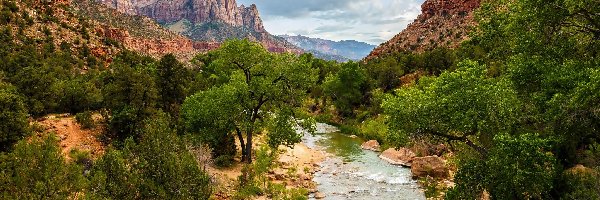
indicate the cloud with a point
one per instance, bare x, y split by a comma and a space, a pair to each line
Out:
372, 21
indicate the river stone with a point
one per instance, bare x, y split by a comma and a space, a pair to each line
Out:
433, 166
372, 145
319, 195
401, 157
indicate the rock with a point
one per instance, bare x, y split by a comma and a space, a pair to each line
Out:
305, 177
230, 17
319, 195
353, 136
437, 18
429, 166
279, 177
372, 145
403, 156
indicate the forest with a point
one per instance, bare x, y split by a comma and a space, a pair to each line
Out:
518, 105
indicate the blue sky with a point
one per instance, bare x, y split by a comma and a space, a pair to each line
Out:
371, 21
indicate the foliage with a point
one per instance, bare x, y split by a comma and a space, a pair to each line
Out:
13, 115
37, 170
130, 94
347, 88
519, 167
85, 119
253, 86
172, 82
580, 183
159, 166
464, 105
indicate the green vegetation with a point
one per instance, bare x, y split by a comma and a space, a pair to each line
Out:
250, 89
518, 104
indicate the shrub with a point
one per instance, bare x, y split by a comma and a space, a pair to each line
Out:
581, 183
37, 170
158, 167
224, 161
13, 117
85, 119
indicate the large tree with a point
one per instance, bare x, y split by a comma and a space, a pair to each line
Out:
252, 90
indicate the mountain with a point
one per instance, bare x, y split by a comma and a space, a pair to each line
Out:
442, 23
136, 33
205, 20
331, 50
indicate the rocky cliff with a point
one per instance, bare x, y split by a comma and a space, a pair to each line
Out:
442, 23
205, 20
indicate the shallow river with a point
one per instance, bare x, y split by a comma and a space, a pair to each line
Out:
353, 173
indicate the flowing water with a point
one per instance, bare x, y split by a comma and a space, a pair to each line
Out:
354, 173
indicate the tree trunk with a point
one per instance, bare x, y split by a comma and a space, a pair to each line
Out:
249, 147
242, 145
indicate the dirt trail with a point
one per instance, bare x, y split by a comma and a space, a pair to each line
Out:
72, 136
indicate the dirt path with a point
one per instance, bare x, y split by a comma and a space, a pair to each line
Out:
72, 136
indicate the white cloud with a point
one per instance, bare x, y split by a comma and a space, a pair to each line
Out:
372, 21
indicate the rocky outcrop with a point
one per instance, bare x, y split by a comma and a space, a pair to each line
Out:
403, 156
372, 145
206, 20
251, 18
442, 23
432, 166
156, 47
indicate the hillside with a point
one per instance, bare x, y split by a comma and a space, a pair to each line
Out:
442, 23
207, 21
331, 50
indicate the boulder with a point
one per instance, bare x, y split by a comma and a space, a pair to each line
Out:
372, 145
319, 195
429, 166
403, 156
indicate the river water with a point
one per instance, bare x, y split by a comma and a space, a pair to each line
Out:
353, 173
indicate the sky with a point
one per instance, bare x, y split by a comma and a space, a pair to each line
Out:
370, 21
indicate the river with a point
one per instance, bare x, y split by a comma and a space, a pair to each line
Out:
353, 173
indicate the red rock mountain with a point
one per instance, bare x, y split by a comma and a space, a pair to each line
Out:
205, 20
442, 23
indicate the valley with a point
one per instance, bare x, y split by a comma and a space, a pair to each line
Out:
226, 99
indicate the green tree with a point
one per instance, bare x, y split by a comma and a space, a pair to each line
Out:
347, 88
13, 116
37, 170
464, 106
160, 166
130, 94
517, 167
260, 86
172, 81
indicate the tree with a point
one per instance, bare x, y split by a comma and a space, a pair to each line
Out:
259, 85
347, 88
172, 84
13, 116
159, 166
517, 167
37, 170
130, 94
464, 106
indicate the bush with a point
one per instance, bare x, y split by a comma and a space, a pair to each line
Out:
85, 119
37, 170
224, 161
518, 167
581, 183
158, 167
13, 117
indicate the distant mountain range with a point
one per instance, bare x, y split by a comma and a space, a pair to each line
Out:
331, 50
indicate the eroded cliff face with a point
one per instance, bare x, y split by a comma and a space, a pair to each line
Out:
194, 11
442, 23
206, 21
